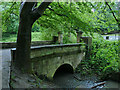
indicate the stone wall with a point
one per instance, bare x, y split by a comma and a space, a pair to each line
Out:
47, 59
34, 43
88, 42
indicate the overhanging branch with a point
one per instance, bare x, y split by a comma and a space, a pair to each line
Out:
57, 13
60, 5
42, 7
111, 10
37, 12
26, 7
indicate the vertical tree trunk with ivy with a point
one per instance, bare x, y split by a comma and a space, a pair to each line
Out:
28, 16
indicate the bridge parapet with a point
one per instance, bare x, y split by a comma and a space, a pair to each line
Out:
48, 50
47, 59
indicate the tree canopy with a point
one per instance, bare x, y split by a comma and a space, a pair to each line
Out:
66, 17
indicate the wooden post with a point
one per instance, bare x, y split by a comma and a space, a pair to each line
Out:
79, 35
88, 42
60, 37
55, 39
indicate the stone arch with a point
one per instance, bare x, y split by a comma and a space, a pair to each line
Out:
64, 68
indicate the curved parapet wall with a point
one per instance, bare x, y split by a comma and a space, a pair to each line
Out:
48, 58
33, 43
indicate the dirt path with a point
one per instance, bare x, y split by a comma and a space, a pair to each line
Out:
5, 69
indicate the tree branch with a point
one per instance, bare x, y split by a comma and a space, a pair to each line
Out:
11, 12
37, 12
14, 14
42, 7
26, 7
57, 13
111, 10
13, 5
45, 15
60, 5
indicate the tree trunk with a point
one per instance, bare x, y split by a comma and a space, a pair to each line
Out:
23, 44
28, 16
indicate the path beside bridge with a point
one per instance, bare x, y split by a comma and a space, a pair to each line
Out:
5, 69
0, 69
5, 64
22, 79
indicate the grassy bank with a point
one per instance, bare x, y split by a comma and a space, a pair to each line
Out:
36, 36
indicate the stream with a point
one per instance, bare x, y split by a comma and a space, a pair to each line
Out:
77, 81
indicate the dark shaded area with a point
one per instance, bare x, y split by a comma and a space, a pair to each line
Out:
107, 37
115, 77
63, 70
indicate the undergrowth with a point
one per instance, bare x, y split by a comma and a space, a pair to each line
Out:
103, 59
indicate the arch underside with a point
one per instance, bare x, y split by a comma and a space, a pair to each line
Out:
50, 66
63, 69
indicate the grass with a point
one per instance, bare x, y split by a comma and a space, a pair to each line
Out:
36, 36
9, 38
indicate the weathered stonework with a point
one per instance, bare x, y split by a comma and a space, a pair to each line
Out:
48, 58
34, 43
88, 42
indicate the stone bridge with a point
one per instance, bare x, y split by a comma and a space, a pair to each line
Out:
47, 59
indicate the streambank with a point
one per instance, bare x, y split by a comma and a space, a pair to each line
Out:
68, 80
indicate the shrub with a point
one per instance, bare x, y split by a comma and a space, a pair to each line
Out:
103, 59
104, 56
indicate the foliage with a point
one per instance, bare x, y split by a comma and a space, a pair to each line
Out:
64, 16
103, 18
104, 56
103, 60
10, 17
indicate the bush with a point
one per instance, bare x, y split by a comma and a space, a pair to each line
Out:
104, 56
103, 59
